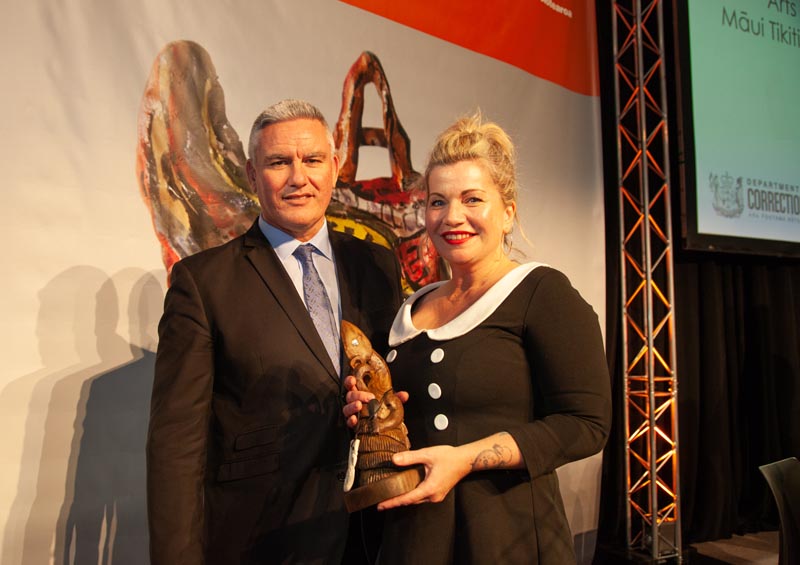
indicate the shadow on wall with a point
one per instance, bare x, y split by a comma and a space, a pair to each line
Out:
81, 488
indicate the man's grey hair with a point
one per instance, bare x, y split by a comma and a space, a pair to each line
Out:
285, 111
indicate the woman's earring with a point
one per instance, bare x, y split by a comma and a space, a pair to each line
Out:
508, 243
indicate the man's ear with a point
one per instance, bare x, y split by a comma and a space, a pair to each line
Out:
251, 173
335, 160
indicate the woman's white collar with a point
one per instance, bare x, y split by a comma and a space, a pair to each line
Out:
403, 329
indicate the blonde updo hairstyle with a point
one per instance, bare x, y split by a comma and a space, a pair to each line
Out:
472, 139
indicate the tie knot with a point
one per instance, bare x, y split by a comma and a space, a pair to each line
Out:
304, 252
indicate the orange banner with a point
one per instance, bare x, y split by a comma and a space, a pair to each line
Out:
552, 39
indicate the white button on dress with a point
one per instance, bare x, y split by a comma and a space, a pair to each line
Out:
434, 391
392, 355
440, 422
437, 355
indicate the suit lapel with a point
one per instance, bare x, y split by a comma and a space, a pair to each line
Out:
263, 258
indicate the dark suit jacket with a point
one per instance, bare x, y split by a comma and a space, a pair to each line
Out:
247, 444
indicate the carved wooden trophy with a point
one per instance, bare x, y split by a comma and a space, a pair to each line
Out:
380, 431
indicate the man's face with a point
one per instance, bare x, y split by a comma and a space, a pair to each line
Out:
293, 171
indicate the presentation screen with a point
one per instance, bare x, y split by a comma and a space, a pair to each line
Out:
738, 69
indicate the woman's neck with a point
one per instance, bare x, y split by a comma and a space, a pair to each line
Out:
460, 292
475, 279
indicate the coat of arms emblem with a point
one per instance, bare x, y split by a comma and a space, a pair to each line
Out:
728, 194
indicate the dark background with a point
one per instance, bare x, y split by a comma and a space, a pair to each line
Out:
737, 321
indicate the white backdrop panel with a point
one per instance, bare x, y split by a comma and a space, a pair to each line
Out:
83, 278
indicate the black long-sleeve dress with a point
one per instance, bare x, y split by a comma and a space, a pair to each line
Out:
526, 358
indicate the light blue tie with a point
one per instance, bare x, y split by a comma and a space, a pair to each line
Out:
318, 303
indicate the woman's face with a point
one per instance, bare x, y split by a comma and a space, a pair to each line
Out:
465, 215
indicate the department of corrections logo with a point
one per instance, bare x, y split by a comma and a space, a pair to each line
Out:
728, 194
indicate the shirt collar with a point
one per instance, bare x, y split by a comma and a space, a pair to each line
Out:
284, 244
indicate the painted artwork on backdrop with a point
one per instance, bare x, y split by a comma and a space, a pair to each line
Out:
190, 165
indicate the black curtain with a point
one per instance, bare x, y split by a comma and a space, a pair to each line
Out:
737, 322
738, 340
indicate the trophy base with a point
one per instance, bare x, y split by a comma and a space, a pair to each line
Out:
371, 494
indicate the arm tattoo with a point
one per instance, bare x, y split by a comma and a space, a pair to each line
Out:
498, 457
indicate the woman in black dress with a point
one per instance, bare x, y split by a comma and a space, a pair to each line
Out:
506, 375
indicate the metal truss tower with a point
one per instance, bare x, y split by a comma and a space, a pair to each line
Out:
651, 383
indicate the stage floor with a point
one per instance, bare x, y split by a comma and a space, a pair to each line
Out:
750, 549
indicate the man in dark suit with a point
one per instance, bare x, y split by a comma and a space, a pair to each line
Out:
247, 445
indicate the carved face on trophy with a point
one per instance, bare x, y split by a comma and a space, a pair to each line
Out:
380, 431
